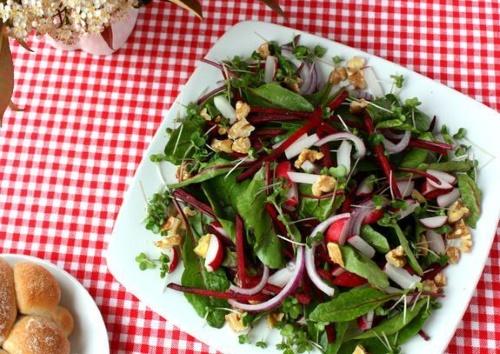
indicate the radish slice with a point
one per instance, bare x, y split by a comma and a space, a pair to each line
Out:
344, 155
447, 199
257, 288
373, 83
365, 322
173, 255
441, 185
215, 254
225, 108
301, 144
337, 230
443, 176
427, 188
270, 68
406, 187
283, 294
308, 166
358, 143
410, 209
435, 241
366, 186
362, 246
292, 196
337, 271
305, 178
400, 146
277, 145
282, 276
309, 257
401, 276
433, 221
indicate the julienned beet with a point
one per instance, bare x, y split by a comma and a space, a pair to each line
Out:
323, 206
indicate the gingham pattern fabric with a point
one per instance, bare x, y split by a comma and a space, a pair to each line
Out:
66, 160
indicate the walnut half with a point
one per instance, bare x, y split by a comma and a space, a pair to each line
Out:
396, 257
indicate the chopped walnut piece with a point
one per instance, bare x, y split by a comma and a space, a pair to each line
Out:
396, 257
466, 243
222, 145
263, 50
222, 130
358, 106
169, 241
308, 155
274, 318
430, 286
240, 129
440, 279
241, 145
423, 245
357, 80
182, 172
359, 350
242, 110
337, 75
172, 224
323, 184
235, 321
460, 229
355, 64
453, 254
335, 253
293, 84
457, 211
205, 115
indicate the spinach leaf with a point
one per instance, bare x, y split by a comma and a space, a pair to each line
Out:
389, 123
340, 330
195, 275
320, 98
275, 95
449, 166
375, 239
180, 144
471, 196
315, 207
213, 168
358, 264
248, 200
414, 158
394, 324
386, 103
349, 305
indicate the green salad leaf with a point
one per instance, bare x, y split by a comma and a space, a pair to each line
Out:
375, 239
357, 263
275, 95
471, 197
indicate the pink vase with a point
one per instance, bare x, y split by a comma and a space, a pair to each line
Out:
95, 43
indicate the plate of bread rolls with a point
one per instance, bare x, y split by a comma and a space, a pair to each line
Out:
45, 310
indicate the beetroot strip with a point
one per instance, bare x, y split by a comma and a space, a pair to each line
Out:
338, 100
216, 294
440, 148
327, 158
269, 118
269, 132
190, 199
280, 111
240, 251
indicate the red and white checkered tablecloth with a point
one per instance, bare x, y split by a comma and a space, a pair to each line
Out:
66, 160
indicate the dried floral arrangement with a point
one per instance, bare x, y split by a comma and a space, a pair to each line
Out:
65, 21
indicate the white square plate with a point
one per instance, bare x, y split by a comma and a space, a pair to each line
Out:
451, 107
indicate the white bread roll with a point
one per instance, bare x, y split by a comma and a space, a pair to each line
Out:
37, 290
64, 319
36, 335
8, 309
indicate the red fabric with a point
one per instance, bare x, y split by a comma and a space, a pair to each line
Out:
66, 160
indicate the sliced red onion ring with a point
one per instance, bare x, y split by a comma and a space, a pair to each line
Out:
365, 187
277, 145
391, 135
406, 187
435, 241
301, 144
283, 294
357, 219
256, 288
309, 257
392, 148
344, 155
410, 209
305, 178
309, 79
224, 107
358, 143
373, 83
401, 276
270, 68
282, 276
362, 246
433, 221
448, 199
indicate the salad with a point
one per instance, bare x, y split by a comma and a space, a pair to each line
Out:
320, 205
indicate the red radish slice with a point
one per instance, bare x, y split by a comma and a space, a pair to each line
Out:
337, 230
344, 155
410, 209
365, 322
362, 246
337, 271
374, 216
283, 294
392, 148
224, 107
406, 187
349, 280
292, 197
215, 254
365, 187
282, 276
427, 188
257, 288
173, 255
301, 144
358, 143
401, 276
439, 185
447, 199
433, 221
309, 255
435, 241
270, 68
443, 176
305, 178
373, 83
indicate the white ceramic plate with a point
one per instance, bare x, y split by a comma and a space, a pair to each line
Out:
90, 335
451, 107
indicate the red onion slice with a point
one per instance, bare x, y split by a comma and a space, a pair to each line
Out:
357, 219
301, 144
282, 277
224, 107
358, 143
434, 221
362, 246
392, 148
401, 276
448, 199
373, 83
344, 155
435, 241
277, 145
270, 68
365, 187
257, 288
305, 178
282, 295
309, 257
